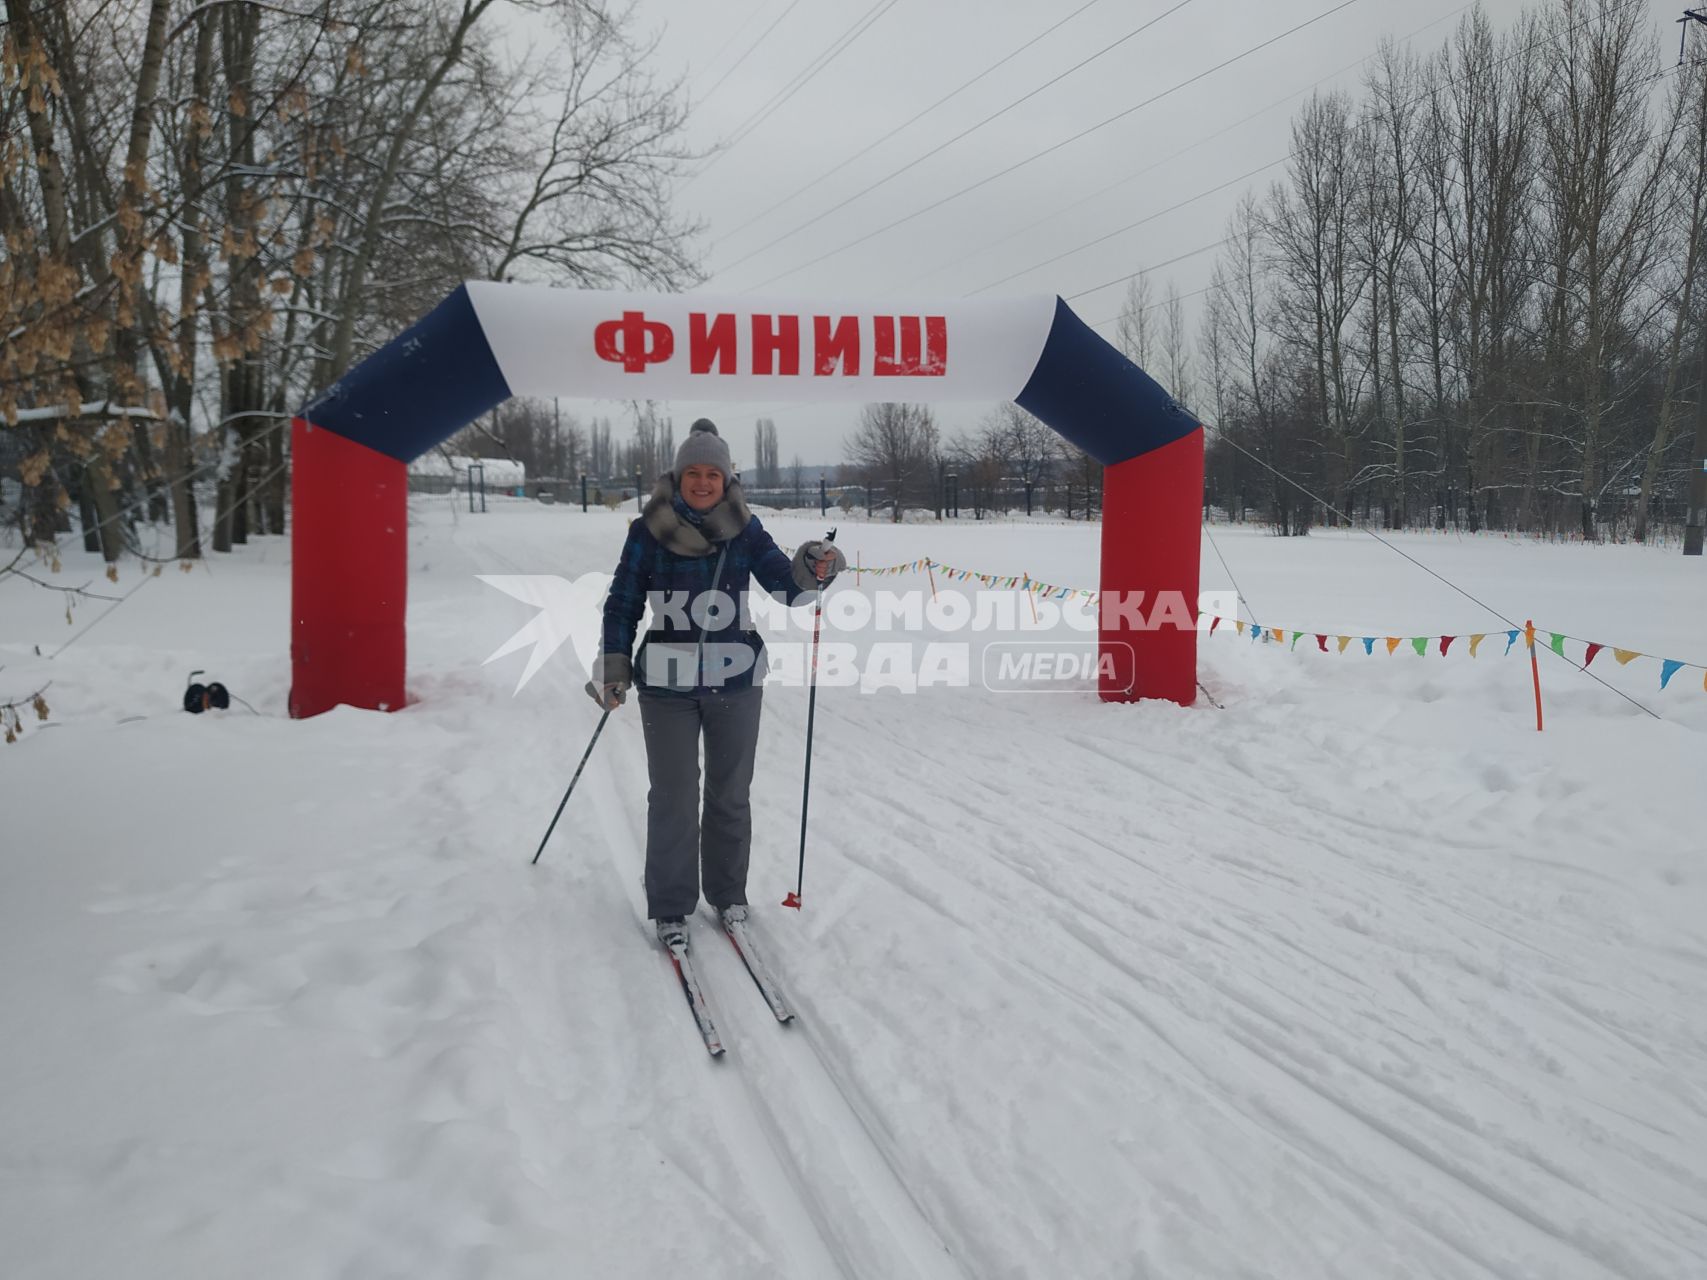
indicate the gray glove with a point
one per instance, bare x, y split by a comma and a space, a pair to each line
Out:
612, 674
815, 556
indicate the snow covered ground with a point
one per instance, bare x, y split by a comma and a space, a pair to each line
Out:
1358, 977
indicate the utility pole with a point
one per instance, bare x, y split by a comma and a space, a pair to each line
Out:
1696, 525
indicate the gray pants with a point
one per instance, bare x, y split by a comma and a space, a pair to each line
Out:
678, 840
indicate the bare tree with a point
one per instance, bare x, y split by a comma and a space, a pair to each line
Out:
286, 188
1689, 101
896, 444
766, 469
1137, 331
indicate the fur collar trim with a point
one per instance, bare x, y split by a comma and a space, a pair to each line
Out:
723, 522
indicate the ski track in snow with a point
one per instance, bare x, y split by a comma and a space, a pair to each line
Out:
1349, 980
812, 1160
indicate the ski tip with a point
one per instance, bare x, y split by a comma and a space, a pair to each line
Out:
793, 900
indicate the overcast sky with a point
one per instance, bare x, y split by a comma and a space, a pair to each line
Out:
737, 56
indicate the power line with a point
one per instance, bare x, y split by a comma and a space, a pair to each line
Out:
911, 120
738, 61
1150, 217
800, 80
734, 35
1155, 266
917, 160
1097, 324
1408, 103
1083, 133
1185, 150
836, 48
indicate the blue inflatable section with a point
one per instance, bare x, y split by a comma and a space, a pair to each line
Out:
419, 389
1098, 399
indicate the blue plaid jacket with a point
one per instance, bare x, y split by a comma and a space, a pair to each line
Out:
650, 571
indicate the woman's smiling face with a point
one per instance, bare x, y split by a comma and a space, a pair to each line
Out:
701, 486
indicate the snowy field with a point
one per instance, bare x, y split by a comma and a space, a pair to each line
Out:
1357, 977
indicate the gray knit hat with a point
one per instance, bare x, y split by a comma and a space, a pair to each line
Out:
704, 447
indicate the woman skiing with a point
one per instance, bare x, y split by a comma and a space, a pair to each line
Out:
691, 555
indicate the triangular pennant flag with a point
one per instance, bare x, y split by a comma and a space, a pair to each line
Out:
1445, 644
1625, 656
1256, 632
1295, 638
1322, 642
1476, 640
1369, 644
1668, 669
1277, 635
1592, 650
1558, 643
1214, 621
1510, 639
1239, 625
1392, 644
1344, 641
1420, 644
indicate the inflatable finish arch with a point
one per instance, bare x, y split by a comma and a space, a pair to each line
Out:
486, 342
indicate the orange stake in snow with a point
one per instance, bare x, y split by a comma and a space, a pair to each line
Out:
1534, 669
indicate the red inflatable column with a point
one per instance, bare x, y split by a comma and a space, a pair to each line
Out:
348, 575
1152, 510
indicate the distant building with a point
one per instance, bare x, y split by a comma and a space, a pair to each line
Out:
435, 473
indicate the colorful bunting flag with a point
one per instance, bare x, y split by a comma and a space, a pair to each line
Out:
1025, 582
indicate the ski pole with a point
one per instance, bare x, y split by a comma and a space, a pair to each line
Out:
793, 899
587, 755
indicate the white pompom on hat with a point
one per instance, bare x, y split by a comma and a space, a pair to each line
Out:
704, 447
